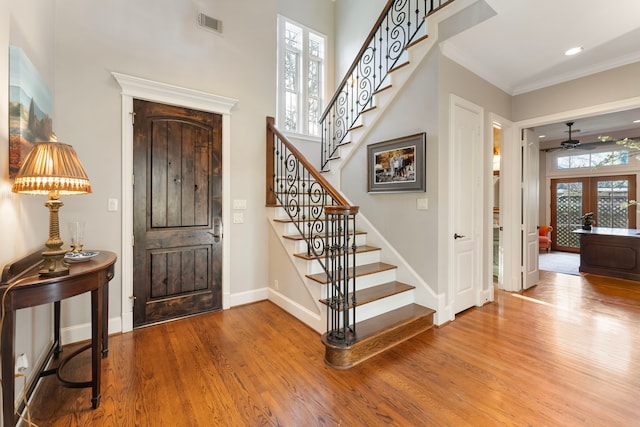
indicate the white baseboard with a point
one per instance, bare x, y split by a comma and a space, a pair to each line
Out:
248, 297
311, 319
82, 332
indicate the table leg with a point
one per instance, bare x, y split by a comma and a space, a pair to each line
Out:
96, 344
56, 330
8, 363
105, 319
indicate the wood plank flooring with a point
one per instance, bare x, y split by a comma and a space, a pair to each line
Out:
564, 353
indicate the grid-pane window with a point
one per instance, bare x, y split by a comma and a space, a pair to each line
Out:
301, 58
591, 160
569, 210
612, 200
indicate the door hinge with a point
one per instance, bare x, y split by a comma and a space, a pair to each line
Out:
133, 240
133, 118
133, 299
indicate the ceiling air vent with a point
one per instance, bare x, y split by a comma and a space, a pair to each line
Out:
210, 23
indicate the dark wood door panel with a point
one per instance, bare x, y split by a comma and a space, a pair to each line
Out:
177, 212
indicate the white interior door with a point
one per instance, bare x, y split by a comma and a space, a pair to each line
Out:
530, 200
466, 193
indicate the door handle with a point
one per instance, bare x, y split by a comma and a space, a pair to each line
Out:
217, 229
458, 236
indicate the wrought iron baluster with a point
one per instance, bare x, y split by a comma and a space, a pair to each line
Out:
397, 26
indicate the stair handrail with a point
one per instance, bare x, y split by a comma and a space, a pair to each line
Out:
355, 92
326, 221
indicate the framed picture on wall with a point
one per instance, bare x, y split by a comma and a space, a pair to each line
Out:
30, 108
397, 165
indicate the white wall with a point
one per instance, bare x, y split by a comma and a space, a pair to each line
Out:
609, 86
24, 220
409, 230
354, 19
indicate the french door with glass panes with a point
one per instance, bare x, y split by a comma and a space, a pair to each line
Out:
606, 196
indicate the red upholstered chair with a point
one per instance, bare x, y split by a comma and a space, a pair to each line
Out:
544, 237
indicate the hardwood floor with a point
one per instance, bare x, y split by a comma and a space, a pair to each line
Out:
564, 353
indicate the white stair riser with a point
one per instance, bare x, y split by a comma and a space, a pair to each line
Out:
301, 245
375, 308
364, 282
362, 258
291, 229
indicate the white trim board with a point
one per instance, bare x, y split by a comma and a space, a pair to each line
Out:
139, 88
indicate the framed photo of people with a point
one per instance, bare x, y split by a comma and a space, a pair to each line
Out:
397, 165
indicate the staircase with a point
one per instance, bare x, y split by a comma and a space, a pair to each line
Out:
386, 312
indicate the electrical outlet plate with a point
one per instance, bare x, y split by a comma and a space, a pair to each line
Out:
22, 363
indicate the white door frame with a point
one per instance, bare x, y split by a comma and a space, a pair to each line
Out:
509, 249
135, 87
625, 104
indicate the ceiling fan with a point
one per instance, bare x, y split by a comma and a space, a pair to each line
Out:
571, 143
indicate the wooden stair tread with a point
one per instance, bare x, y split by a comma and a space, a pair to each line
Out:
359, 249
416, 41
397, 67
360, 270
375, 335
382, 89
377, 292
369, 328
299, 237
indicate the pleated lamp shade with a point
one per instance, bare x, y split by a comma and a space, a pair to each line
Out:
52, 167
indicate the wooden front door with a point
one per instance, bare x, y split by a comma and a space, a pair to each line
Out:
177, 166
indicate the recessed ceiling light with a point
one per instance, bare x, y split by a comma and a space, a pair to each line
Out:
636, 121
574, 50
542, 136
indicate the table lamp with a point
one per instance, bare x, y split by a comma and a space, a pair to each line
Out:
52, 168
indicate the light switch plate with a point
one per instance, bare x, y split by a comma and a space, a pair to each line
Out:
239, 204
238, 218
422, 204
112, 205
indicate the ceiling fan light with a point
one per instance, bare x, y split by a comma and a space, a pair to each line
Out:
574, 51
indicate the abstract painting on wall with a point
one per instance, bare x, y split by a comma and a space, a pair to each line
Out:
30, 108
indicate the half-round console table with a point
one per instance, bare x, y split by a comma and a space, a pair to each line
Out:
22, 287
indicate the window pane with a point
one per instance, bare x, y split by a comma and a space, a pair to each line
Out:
564, 162
293, 36
291, 71
611, 196
569, 211
291, 112
316, 46
581, 161
314, 116
314, 79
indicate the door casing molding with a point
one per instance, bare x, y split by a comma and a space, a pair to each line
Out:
139, 88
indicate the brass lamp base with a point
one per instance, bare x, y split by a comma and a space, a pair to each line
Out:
54, 264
